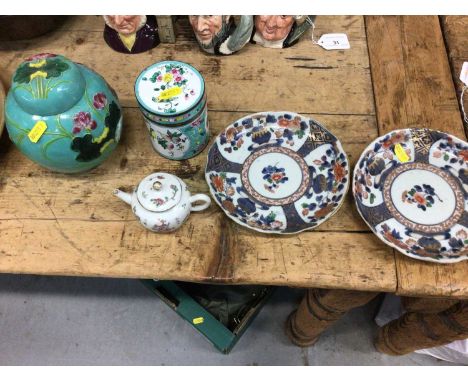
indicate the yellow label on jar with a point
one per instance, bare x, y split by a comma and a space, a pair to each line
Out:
401, 153
198, 320
169, 93
36, 132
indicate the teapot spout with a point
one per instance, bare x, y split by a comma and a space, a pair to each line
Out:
126, 197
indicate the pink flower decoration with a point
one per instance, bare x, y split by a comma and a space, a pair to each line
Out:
192, 92
178, 79
83, 120
99, 101
276, 224
174, 71
41, 56
159, 78
158, 201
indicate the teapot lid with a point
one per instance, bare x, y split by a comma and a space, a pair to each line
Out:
169, 88
47, 84
159, 192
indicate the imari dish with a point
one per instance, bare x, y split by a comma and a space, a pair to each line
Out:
171, 96
411, 189
62, 115
162, 202
277, 172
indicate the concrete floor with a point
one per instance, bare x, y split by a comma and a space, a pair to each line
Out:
86, 321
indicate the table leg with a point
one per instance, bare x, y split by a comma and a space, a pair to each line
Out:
418, 329
427, 305
319, 309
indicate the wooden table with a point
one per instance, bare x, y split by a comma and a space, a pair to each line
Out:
394, 76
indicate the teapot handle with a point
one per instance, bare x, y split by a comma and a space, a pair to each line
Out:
200, 198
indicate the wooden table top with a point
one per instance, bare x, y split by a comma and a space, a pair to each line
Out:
56, 224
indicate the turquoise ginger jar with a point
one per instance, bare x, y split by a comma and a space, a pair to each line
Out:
62, 115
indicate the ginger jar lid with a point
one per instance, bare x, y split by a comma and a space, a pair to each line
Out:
47, 84
159, 192
169, 88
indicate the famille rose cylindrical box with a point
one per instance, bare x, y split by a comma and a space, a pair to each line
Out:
172, 97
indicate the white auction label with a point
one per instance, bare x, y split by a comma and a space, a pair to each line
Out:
331, 41
464, 73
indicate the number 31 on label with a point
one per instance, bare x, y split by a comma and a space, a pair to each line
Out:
332, 41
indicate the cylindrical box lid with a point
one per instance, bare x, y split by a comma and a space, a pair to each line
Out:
169, 88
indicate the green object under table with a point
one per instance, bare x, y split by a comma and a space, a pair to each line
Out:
221, 313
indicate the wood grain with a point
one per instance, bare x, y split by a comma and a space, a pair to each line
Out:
255, 79
71, 225
413, 88
456, 39
208, 248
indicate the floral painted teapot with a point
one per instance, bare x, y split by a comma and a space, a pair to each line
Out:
162, 202
61, 114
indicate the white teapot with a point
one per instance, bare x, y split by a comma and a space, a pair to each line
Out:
162, 202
